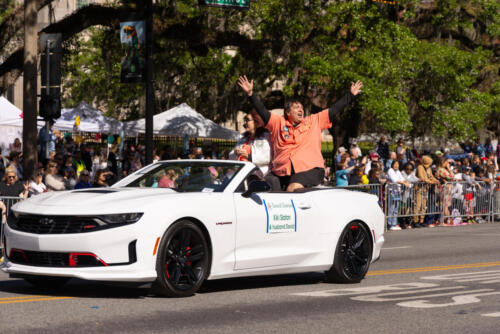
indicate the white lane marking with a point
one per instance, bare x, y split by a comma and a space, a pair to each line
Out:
367, 289
457, 300
380, 297
389, 248
493, 315
483, 277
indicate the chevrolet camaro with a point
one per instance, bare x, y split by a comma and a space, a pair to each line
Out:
178, 223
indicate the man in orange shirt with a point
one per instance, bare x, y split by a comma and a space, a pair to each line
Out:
296, 139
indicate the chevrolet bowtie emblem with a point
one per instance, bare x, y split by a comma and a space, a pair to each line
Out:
46, 221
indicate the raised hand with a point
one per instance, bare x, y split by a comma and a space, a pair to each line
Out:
356, 87
246, 85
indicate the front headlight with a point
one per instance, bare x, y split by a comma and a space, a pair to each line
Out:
121, 218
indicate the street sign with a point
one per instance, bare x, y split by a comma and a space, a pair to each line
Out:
238, 4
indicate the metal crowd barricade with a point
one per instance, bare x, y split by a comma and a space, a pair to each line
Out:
9, 202
375, 189
464, 201
414, 202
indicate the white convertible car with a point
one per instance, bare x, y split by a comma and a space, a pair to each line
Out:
178, 223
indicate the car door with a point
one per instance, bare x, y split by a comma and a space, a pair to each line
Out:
274, 229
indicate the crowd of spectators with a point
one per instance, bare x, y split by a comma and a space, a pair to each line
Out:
64, 164
403, 167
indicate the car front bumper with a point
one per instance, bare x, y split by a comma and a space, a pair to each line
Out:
112, 247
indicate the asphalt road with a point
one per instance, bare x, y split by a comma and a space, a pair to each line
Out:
441, 280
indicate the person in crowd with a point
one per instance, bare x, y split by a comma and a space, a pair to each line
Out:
47, 141
475, 163
488, 147
11, 186
36, 184
341, 175
357, 176
354, 154
396, 180
374, 175
373, 157
388, 162
445, 175
469, 190
297, 158
255, 143
84, 180
68, 174
113, 159
340, 151
382, 149
100, 179
478, 148
169, 179
15, 162
16, 146
426, 182
4, 163
407, 197
197, 153
3, 215
78, 163
53, 181
167, 152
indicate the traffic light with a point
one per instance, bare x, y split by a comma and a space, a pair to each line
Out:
50, 105
50, 102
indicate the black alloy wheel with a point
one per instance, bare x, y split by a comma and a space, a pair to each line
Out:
183, 261
352, 256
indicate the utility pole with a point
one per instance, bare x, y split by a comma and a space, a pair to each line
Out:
149, 83
30, 88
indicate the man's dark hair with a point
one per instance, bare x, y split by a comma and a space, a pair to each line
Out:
289, 103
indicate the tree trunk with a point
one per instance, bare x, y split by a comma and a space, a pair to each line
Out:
30, 88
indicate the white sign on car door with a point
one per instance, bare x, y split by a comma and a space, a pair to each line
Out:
274, 229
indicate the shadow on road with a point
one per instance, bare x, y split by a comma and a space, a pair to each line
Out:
76, 288
258, 282
115, 290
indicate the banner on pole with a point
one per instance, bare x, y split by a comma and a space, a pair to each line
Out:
133, 40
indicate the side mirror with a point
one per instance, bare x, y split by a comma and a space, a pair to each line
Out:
256, 187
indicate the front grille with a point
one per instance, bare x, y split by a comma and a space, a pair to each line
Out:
44, 259
54, 224
53, 259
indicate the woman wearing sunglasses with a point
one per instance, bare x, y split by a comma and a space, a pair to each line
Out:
11, 186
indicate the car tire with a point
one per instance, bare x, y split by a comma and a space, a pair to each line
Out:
183, 260
47, 282
352, 255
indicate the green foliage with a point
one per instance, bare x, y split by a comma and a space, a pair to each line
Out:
316, 50
91, 65
6, 8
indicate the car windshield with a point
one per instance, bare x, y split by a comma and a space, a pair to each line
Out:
188, 176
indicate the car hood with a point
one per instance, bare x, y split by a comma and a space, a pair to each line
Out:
103, 200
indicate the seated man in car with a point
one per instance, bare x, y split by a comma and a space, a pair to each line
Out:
296, 139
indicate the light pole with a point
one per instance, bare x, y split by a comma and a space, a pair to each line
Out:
149, 83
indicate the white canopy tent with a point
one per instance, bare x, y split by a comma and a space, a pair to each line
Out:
9, 113
179, 121
91, 120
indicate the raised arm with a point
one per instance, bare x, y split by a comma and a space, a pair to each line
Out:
247, 87
345, 100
